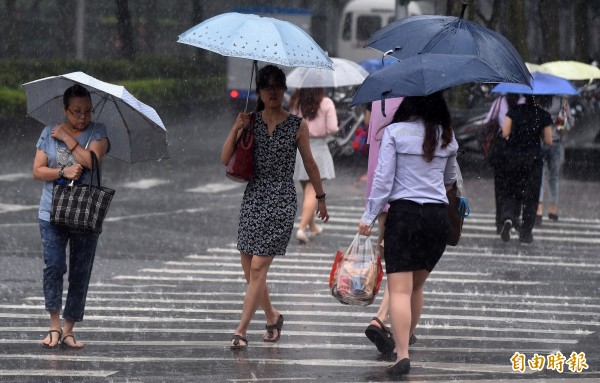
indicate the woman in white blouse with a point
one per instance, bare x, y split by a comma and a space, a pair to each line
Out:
416, 166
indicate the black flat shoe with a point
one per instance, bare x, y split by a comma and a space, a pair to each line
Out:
381, 336
505, 233
553, 217
400, 368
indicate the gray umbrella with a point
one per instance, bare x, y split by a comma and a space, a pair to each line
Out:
135, 131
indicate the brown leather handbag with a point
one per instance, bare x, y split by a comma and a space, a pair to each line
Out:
241, 165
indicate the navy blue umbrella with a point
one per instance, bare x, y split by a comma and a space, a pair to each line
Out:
451, 36
424, 74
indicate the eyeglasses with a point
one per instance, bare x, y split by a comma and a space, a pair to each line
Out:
276, 87
79, 113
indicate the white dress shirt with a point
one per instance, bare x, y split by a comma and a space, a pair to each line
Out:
403, 173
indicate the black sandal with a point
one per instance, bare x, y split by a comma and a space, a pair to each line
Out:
65, 346
381, 336
270, 329
236, 342
47, 345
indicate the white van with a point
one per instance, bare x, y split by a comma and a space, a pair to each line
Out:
361, 18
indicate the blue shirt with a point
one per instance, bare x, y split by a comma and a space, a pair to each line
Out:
403, 173
58, 155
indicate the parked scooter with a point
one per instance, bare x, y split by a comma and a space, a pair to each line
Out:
349, 119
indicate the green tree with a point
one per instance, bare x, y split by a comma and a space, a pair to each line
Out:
124, 29
548, 14
515, 26
582, 35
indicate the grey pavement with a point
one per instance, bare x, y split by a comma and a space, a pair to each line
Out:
167, 288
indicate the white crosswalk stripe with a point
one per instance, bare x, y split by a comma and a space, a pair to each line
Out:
485, 301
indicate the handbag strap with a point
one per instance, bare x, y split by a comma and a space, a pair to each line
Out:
95, 167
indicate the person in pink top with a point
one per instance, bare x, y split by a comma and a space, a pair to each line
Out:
319, 112
377, 331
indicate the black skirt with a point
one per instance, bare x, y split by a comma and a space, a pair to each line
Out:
415, 235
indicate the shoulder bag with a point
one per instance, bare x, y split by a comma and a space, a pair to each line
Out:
82, 207
241, 165
458, 209
489, 131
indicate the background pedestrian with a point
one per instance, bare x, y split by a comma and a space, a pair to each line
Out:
524, 127
319, 113
553, 156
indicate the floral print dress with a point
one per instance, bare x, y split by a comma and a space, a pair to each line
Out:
269, 204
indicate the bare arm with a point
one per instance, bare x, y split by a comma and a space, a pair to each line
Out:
507, 128
312, 169
82, 155
41, 171
547, 135
242, 120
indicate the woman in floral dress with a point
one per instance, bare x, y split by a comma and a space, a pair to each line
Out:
269, 204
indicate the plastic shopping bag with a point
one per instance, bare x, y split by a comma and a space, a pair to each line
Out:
356, 275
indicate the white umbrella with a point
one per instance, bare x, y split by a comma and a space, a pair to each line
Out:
344, 73
135, 131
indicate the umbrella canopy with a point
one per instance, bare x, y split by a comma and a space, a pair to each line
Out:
424, 74
571, 70
135, 131
451, 36
257, 38
344, 73
372, 65
542, 83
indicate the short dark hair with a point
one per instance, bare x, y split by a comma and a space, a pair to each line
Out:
75, 91
266, 73
270, 72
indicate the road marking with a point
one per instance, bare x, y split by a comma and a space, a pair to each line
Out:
332, 314
147, 183
10, 208
328, 304
59, 373
156, 214
317, 324
15, 177
214, 188
239, 279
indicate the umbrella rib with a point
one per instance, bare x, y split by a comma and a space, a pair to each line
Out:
114, 99
45, 103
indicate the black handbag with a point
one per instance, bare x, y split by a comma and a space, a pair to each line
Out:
82, 207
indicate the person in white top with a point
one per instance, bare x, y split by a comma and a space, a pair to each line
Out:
416, 166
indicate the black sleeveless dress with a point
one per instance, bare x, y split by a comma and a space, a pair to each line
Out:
269, 204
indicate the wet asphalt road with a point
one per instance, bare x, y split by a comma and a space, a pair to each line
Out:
167, 287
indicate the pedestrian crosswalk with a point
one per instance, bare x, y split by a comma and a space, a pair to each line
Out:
172, 320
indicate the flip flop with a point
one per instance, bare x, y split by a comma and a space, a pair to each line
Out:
270, 329
236, 342
381, 336
66, 346
47, 345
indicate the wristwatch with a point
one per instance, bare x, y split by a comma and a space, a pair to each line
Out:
321, 196
61, 172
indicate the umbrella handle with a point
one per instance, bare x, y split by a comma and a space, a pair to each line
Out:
254, 69
464, 6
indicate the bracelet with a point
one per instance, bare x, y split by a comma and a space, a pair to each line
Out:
75, 146
321, 196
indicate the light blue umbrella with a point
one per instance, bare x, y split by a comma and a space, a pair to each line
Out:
542, 83
257, 38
